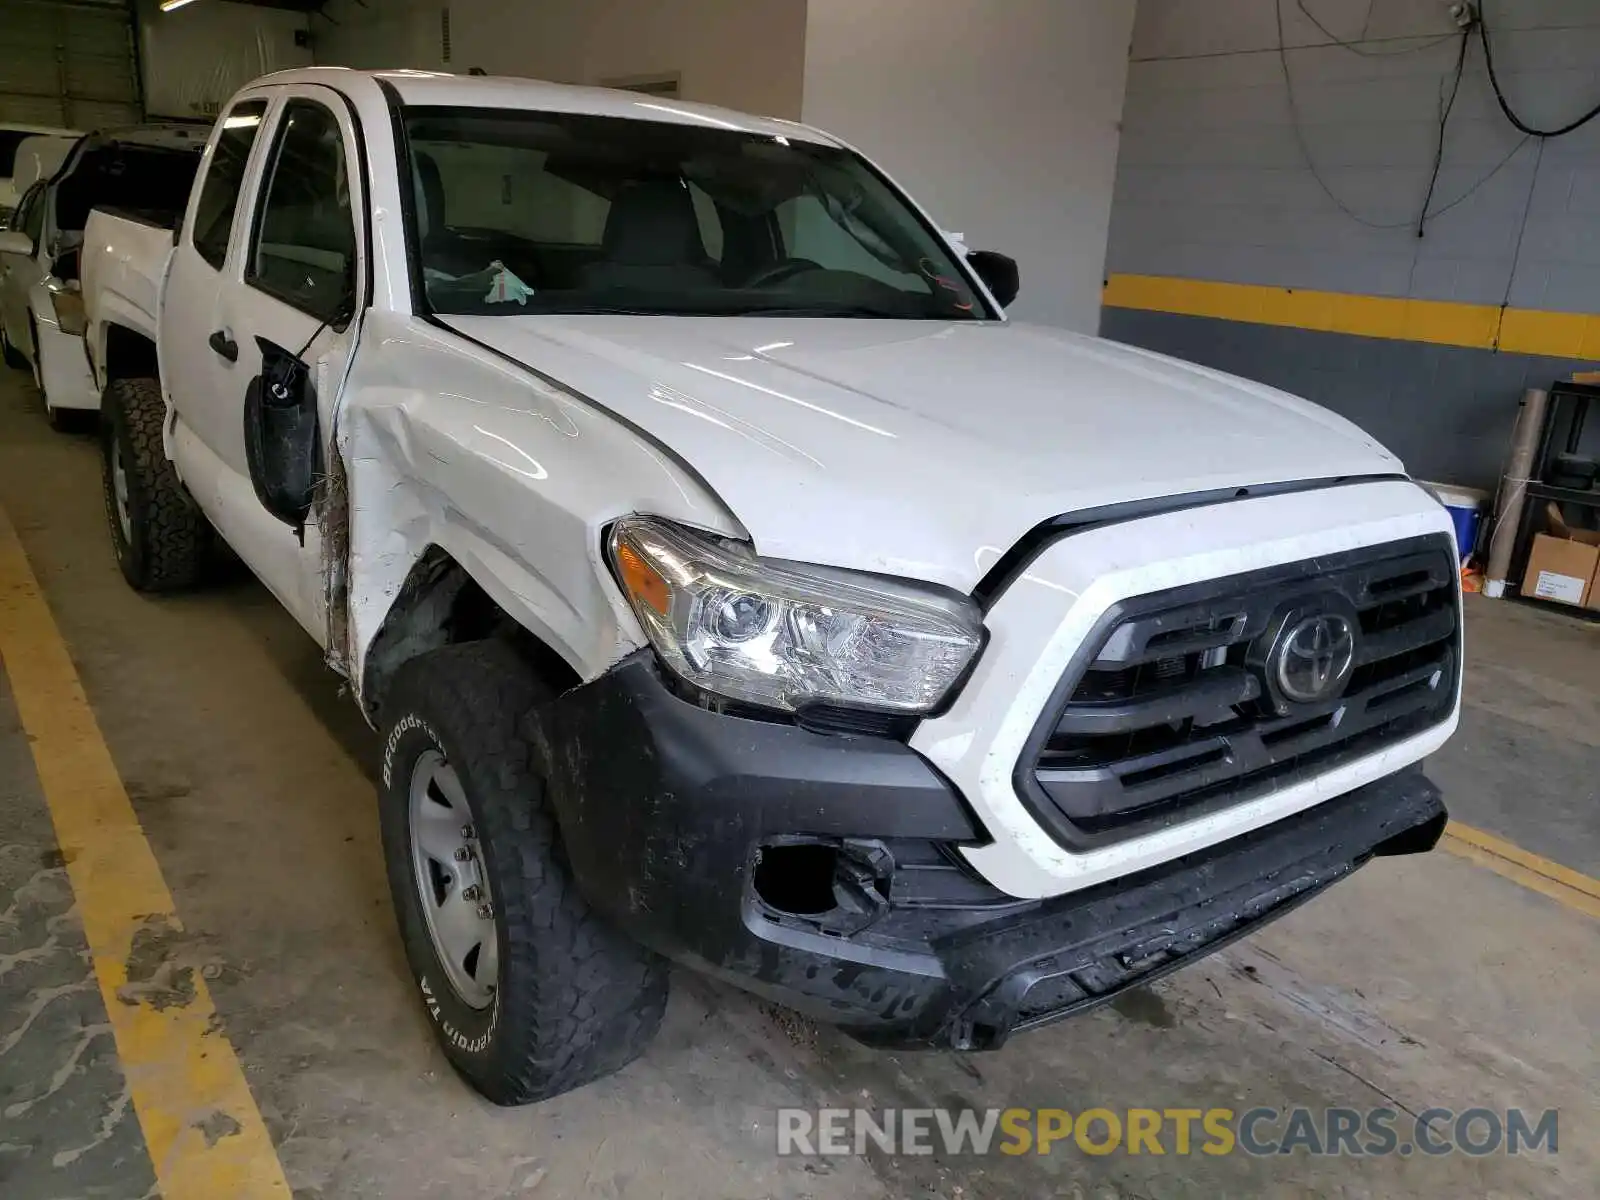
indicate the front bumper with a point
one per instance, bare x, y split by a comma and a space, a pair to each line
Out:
673, 816
63, 363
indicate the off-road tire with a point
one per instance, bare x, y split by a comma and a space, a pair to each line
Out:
168, 543
576, 999
14, 358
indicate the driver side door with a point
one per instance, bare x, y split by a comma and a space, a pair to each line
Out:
288, 294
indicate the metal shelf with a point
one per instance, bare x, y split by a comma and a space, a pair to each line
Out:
1545, 491
1573, 401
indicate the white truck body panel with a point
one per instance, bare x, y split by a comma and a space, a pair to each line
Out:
888, 445
1038, 624
123, 266
445, 444
63, 367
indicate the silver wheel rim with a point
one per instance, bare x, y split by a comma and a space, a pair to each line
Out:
119, 491
451, 885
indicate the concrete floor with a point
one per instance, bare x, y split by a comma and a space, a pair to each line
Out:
1422, 981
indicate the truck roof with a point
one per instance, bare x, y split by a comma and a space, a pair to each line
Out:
535, 95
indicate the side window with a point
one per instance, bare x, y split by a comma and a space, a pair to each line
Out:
213, 218
304, 248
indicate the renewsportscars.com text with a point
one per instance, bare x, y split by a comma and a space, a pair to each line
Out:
1371, 1132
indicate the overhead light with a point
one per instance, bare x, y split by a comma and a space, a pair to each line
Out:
169, 5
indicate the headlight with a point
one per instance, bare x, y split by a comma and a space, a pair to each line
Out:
784, 635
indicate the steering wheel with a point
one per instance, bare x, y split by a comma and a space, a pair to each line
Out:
778, 272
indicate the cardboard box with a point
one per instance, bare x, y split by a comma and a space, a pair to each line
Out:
1564, 564
1563, 570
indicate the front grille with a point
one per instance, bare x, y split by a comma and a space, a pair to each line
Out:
1171, 709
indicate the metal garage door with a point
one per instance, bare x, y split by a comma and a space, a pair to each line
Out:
68, 62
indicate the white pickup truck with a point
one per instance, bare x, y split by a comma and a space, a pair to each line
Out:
732, 583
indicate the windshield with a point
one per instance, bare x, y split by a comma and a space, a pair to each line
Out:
548, 212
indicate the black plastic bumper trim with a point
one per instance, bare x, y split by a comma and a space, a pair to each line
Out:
664, 807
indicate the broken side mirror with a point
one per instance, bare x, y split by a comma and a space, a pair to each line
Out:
281, 440
999, 274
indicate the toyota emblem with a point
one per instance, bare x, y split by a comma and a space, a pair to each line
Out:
1314, 658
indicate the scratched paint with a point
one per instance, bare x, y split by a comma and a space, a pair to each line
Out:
201, 1126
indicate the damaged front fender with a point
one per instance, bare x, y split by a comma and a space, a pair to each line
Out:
443, 444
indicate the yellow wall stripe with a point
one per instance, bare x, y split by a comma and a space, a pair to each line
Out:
201, 1126
1443, 322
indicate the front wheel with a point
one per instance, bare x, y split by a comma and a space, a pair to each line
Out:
530, 992
161, 540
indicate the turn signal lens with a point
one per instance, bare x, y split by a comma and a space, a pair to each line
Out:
644, 582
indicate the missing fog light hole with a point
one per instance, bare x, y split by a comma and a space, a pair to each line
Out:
797, 880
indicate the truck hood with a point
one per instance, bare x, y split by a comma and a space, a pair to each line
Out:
924, 449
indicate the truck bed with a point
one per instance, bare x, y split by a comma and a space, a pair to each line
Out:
124, 260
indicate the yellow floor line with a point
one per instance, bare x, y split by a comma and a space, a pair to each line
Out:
204, 1133
1532, 871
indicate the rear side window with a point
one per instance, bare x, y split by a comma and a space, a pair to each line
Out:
304, 249
219, 197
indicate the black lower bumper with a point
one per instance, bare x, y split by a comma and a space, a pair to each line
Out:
819, 871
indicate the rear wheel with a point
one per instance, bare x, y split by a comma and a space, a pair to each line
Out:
13, 356
38, 367
161, 540
71, 420
530, 992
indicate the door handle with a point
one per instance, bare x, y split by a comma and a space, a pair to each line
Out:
224, 345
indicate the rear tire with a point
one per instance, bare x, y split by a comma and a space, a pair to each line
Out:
571, 998
35, 365
161, 540
71, 420
14, 357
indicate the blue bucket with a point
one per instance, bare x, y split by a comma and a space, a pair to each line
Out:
1465, 506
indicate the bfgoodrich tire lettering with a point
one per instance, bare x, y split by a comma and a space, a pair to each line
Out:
575, 999
160, 539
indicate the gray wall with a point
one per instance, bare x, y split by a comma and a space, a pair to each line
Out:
1446, 410
1212, 184
745, 54
999, 116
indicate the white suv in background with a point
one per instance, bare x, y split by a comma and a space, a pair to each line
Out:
12, 139
144, 171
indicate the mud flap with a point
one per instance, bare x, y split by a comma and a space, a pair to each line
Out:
282, 441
